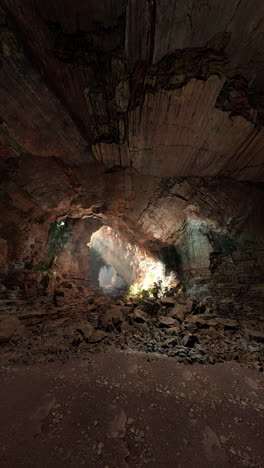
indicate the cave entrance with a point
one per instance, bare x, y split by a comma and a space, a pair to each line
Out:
112, 262
110, 281
111, 267
118, 265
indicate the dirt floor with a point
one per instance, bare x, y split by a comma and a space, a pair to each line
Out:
116, 409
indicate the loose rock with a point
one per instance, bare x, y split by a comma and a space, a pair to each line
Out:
86, 329
168, 301
98, 336
165, 321
178, 312
8, 327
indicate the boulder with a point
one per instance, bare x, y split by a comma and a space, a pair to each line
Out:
139, 316
198, 321
165, 321
173, 330
114, 316
86, 329
178, 312
170, 342
98, 335
149, 300
8, 328
167, 301
180, 299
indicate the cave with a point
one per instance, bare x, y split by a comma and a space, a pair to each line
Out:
132, 233
109, 280
110, 272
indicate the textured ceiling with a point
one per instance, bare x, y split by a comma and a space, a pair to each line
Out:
169, 88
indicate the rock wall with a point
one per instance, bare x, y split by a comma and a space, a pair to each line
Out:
238, 276
147, 116
190, 217
73, 262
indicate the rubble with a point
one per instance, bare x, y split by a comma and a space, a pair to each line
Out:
111, 318
179, 327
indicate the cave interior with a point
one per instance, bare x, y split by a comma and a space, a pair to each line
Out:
132, 186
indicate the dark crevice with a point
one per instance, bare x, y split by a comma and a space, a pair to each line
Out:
238, 98
152, 32
174, 71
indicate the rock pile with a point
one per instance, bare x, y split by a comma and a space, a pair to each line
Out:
175, 326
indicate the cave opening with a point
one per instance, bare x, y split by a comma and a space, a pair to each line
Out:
112, 269
109, 280
118, 265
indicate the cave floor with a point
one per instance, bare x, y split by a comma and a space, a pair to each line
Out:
98, 382
117, 409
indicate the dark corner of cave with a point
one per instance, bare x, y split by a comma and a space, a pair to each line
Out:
132, 233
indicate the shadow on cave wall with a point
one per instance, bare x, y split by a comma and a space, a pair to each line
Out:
172, 258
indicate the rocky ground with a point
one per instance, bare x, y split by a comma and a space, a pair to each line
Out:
74, 323
97, 381
116, 409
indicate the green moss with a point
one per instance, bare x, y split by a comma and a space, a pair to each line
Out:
58, 234
43, 268
157, 291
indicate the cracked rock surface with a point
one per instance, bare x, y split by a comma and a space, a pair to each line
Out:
165, 87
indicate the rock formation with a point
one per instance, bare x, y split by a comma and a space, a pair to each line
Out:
144, 116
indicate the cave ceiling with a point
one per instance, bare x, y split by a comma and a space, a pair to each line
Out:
146, 115
166, 88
